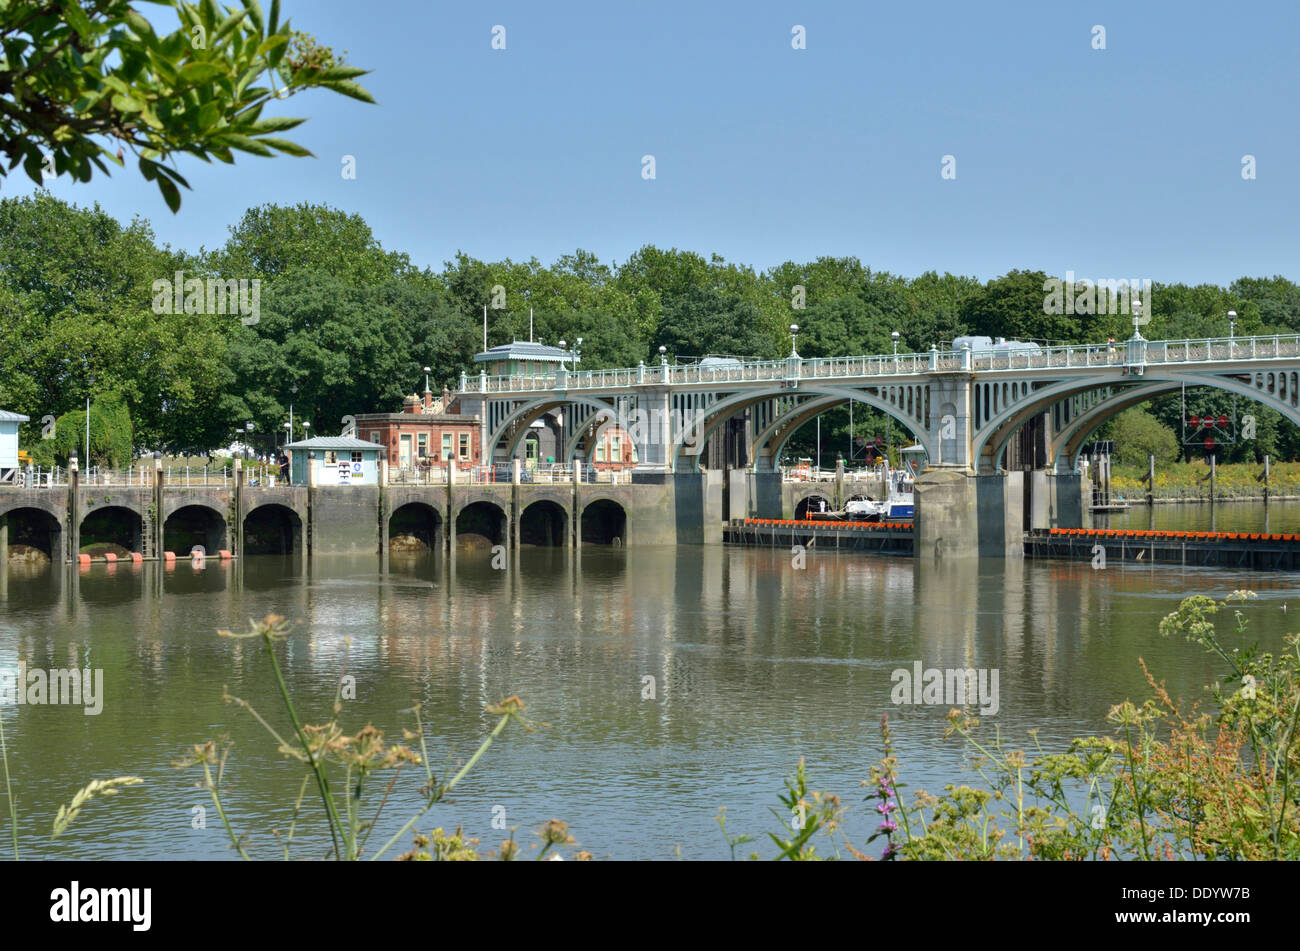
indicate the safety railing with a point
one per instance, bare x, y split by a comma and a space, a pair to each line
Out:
1025, 357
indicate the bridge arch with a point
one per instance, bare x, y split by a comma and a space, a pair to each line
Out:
483, 518
195, 524
1270, 388
515, 425
272, 529
117, 528
414, 527
33, 527
603, 521
823, 398
544, 523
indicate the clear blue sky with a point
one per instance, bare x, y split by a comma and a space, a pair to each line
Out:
1117, 163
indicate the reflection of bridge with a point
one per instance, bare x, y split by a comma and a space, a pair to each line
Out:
965, 407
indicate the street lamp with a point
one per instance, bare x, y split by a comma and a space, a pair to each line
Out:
894, 335
1232, 324
663, 354
248, 428
294, 390
426, 379
577, 353
794, 332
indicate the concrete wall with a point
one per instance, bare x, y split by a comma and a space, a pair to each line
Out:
345, 520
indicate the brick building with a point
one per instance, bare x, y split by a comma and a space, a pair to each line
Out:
425, 434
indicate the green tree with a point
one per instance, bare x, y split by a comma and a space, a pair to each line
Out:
1137, 434
85, 80
703, 322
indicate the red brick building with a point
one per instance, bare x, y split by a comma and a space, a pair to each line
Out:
425, 434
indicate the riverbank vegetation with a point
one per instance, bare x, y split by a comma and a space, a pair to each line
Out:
346, 325
1171, 781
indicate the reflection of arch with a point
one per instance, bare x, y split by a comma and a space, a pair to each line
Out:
544, 523
826, 397
812, 503
483, 518
414, 527
604, 522
195, 524
33, 527
271, 529
112, 526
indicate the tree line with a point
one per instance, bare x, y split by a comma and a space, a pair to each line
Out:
345, 325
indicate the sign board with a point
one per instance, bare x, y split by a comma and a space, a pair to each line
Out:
345, 474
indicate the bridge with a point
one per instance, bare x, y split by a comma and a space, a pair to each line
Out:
965, 407
972, 410
146, 513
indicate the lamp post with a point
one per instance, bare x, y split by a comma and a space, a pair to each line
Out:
1232, 324
894, 335
794, 332
248, 429
663, 355
577, 353
293, 390
426, 379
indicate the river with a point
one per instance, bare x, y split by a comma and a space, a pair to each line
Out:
756, 663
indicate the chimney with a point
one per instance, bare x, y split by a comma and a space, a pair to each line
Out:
446, 399
411, 404
428, 400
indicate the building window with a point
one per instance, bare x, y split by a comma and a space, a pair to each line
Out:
422, 442
356, 456
600, 452
331, 458
464, 445
446, 445
376, 437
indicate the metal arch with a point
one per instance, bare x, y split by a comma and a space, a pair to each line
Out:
807, 414
610, 420
1070, 440
1008, 421
529, 412
725, 409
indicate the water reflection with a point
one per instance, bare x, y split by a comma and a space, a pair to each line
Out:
674, 680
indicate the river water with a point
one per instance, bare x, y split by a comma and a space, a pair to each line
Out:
755, 663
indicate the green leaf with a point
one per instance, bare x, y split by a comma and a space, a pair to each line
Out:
285, 146
126, 103
350, 89
198, 73
275, 124
244, 144
77, 18
171, 194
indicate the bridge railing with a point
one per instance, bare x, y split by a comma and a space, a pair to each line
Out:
1031, 357
41, 477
